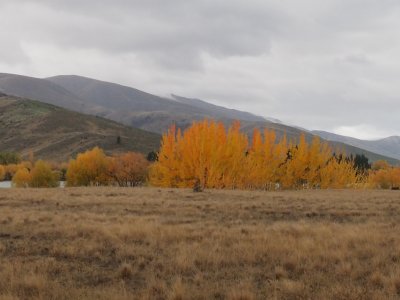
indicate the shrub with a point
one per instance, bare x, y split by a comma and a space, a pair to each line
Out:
21, 178
43, 176
385, 178
2, 172
128, 169
7, 158
89, 168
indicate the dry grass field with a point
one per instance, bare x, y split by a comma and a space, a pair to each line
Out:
121, 243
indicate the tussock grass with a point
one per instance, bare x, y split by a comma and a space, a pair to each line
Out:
145, 243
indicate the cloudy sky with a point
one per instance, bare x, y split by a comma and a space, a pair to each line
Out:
331, 64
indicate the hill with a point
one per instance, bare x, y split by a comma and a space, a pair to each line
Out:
116, 102
146, 111
217, 111
142, 110
42, 90
389, 146
55, 133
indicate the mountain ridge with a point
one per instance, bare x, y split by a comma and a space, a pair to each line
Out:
389, 146
142, 110
58, 134
27, 87
217, 110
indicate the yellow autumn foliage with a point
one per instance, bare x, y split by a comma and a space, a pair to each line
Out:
2, 172
209, 155
21, 178
88, 169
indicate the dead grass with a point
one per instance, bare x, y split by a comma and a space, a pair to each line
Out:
121, 243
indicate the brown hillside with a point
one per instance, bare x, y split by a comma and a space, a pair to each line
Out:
55, 133
142, 110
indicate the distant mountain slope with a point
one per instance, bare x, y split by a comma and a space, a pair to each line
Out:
117, 97
55, 133
128, 105
142, 110
39, 89
388, 146
217, 111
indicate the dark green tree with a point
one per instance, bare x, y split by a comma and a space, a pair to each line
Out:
7, 158
361, 163
152, 156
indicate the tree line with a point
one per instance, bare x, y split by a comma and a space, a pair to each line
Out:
212, 156
91, 168
209, 155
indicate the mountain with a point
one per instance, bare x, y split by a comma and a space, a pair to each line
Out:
127, 105
55, 133
136, 108
389, 146
139, 109
217, 111
142, 110
39, 89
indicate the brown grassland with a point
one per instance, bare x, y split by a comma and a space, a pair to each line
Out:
149, 243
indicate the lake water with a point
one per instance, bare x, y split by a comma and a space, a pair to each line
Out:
7, 184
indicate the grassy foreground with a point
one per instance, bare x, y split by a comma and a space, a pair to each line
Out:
117, 243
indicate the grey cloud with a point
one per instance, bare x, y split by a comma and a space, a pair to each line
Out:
162, 30
318, 64
358, 59
11, 52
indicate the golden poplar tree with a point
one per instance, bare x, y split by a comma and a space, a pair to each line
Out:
235, 155
211, 156
43, 176
318, 157
89, 168
2, 172
21, 178
384, 176
165, 171
256, 165
296, 165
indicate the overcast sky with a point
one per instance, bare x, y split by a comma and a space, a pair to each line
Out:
320, 64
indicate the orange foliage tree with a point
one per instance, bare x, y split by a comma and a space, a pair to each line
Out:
11, 169
128, 169
201, 155
339, 173
209, 155
384, 176
41, 175
21, 178
2, 172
